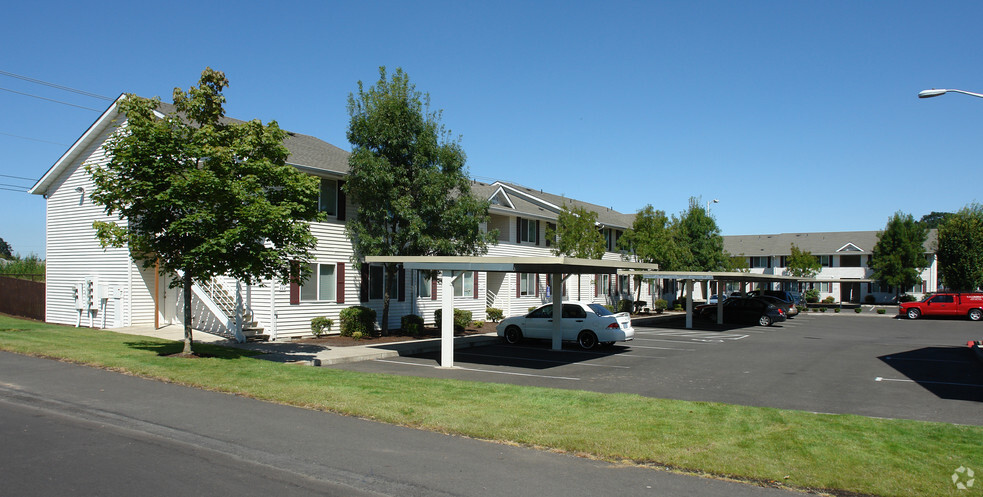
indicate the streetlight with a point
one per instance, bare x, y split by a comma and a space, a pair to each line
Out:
716, 201
934, 93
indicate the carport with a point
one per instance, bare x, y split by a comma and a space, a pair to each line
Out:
688, 277
556, 267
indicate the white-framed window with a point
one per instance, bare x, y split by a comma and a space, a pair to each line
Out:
623, 287
825, 260
527, 284
759, 261
320, 285
605, 285
328, 202
463, 286
377, 282
527, 230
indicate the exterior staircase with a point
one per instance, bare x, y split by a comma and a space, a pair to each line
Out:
228, 307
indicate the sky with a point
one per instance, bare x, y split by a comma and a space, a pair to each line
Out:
797, 116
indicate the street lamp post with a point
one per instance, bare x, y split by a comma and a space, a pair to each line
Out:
716, 201
936, 92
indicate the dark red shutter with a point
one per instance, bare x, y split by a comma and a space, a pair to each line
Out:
475, 278
597, 284
341, 201
537, 232
401, 291
518, 230
294, 283
518, 282
433, 288
340, 275
363, 294
537, 284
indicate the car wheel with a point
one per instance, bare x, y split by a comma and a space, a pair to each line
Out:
587, 339
513, 335
975, 314
764, 320
913, 313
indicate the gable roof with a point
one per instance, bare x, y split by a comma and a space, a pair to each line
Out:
524, 201
823, 243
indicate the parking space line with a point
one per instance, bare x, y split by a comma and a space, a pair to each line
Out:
540, 360
664, 340
483, 370
905, 380
701, 334
660, 348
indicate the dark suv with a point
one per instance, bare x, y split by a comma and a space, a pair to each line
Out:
779, 294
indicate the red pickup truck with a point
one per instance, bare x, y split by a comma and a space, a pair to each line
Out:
945, 304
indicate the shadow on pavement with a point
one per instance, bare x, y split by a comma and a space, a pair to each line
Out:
948, 372
531, 354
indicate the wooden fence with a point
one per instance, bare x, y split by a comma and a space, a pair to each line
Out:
20, 297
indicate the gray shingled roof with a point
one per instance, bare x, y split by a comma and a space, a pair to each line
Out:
827, 243
523, 205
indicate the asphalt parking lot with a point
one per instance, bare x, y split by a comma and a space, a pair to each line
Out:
834, 363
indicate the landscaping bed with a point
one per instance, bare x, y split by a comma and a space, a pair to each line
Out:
394, 336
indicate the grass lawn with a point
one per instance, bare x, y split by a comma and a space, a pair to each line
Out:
834, 453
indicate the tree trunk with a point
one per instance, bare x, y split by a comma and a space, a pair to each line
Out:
388, 283
187, 313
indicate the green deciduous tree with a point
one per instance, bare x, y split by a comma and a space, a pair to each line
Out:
408, 178
650, 239
960, 249
899, 254
6, 252
576, 234
202, 195
737, 264
698, 238
934, 219
802, 264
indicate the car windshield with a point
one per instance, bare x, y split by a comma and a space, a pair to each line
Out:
600, 310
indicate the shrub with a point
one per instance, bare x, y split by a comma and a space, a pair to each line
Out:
495, 315
678, 307
533, 308
357, 319
357, 335
609, 307
477, 324
836, 310
881, 311
857, 310
812, 296
870, 299
829, 300
822, 309
626, 306
907, 298
661, 305
412, 324
462, 318
321, 325
802, 308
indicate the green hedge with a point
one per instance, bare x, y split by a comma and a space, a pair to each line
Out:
357, 319
462, 318
494, 315
412, 324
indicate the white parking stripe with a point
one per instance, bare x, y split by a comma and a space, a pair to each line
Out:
905, 380
482, 370
662, 340
660, 348
459, 354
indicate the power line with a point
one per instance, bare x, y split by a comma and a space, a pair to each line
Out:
53, 85
50, 99
24, 190
17, 177
15, 186
33, 139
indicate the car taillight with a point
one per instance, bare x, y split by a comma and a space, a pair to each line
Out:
614, 326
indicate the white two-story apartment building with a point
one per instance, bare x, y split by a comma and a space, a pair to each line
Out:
845, 257
104, 287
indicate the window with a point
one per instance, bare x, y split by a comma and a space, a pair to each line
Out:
849, 261
623, 286
320, 285
463, 285
759, 261
942, 299
528, 230
377, 282
605, 284
328, 202
425, 285
825, 260
550, 228
527, 284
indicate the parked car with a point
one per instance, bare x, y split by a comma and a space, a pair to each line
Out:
945, 304
712, 299
744, 310
586, 323
787, 299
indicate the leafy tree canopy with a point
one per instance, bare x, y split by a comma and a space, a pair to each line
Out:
899, 254
698, 238
802, 264
650, 239
960, 249
737, 264
576, 234
409, 178
6, 252
934, 219
201, 194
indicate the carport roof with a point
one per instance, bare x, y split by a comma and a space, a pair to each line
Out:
712, 275
568, 265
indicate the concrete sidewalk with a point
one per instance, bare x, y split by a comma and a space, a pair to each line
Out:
310, 354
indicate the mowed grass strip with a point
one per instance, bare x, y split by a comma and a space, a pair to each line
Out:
836, 453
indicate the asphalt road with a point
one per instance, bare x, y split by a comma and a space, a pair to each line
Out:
844, 363
72, 430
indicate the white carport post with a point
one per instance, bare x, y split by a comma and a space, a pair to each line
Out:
557, 289
447, 320
689, 304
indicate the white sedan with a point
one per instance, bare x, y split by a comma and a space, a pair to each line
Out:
588, 324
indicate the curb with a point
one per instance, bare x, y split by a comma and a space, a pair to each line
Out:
384, 351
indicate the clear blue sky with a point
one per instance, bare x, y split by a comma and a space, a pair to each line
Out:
798, 116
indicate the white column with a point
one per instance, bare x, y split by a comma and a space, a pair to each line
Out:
557, 287
689, 304
447, 320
